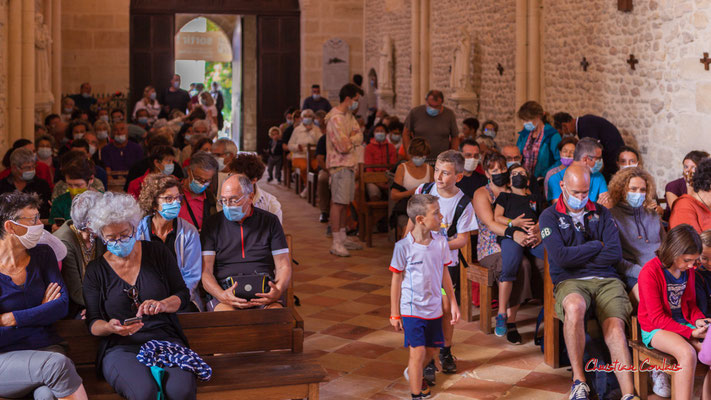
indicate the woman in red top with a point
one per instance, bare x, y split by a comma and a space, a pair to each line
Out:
668, 315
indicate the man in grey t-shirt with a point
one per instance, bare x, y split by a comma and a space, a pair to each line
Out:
434, 122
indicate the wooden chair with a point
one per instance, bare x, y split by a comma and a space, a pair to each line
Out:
465, 289
484, 277
312, 175
117, 180
551, 325
290, 290
368, 208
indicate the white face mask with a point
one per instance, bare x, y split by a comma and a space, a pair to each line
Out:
32, 236
470, 164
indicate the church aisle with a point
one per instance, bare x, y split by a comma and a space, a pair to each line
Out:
345, 306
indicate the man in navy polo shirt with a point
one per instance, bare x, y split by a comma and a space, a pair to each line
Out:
583, 247
243, 241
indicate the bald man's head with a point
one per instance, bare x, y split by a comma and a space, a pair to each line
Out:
576, 183
512, 154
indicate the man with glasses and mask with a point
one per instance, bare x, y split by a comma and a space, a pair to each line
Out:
583, 246
199, 202
588, 154
474, 176
240, 244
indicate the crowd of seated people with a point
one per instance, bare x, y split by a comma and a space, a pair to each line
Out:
195, 220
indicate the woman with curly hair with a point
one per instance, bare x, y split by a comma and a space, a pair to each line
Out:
695, 208
160, 200
632, 191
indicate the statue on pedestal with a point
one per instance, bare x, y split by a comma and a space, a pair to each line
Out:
385, 70
43, 41
461, 74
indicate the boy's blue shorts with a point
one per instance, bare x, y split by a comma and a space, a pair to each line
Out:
423, 332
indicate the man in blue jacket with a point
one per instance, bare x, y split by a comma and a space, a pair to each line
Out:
583, 247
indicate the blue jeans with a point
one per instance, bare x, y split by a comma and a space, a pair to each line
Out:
511, 257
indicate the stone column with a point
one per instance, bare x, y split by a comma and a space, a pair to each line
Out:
415, 54
424, 49
28, 71
56, 22
521, 60
533, 53
14, 55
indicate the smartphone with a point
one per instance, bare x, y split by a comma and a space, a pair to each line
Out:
59, 221
131, 321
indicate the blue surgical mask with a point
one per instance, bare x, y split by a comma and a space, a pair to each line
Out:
85, 95
121, 249
28, 175
102, 135
143, 120
170, 211
395, 138
168, 169
597, 167
317, 123
432, 112
290, 121
233, 213
636, 199
379, 136
354, 105
176, 85
104, 118
418, 161
307, 121
316, 96
152, 96
529, 126
78, 136
490, 133
576, 203
188, 137
510, 163
197, 188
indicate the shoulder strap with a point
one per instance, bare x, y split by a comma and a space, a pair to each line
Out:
190, 211
427, 188
461, 206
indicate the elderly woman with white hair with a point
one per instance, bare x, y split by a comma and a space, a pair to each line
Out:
132, 293
305, 134
82, 248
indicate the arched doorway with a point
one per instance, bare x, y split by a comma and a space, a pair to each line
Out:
205, 60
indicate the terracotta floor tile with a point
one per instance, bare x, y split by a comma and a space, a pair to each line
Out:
351, 306
517, 359
332, 315
348, 331
498, 373
317, 325
400, 355
341, 362
363, 349
331, 282
342, 294
387, 338
304, 277
386, 396
309, 288
543, 381
376, 299
522, 393
327, 343
323, 301
351, 276
381, 370
356, 386
361, 287
478, 389
370, 321
380, 312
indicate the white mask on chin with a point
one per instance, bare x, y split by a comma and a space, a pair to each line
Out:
32, 236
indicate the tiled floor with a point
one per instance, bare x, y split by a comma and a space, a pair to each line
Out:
345, 304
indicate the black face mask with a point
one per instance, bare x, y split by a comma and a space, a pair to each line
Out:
501, 179
519, 181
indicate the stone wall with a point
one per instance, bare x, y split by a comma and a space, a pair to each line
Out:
491, 25
322, 20
95, 43
4, 136
664, 106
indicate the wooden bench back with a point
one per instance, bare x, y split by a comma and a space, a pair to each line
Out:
207, 332
310, 156
372, 176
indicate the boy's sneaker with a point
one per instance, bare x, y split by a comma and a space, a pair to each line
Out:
337, 249
512, 334
352, 243
449, 366
579, 391
662, 383
429, 373
629, 397
329, 234
323, 218
500, 329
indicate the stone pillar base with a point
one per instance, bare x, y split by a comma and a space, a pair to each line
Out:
466, 100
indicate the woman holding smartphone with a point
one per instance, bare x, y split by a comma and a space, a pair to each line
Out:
132, 293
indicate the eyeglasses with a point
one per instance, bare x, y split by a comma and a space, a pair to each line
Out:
232, 201
170, 199
33, 220
123, 239
132, 294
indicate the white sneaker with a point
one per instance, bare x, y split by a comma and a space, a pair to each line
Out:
304, 193
351, 242
339, 250
407, 376
662, 384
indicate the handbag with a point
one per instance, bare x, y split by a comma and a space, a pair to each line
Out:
248, 285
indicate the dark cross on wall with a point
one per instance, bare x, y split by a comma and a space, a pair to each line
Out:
624, 5
500, 68
585, 64
632, 62
706, 61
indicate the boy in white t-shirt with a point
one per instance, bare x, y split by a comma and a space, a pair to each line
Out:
458, 221
416, 299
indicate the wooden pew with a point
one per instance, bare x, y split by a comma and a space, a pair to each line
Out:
480, 274
368, 208
312, 176
278, 371
551, 324
465, 288
286, 170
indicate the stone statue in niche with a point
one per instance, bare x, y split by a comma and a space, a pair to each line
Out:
461, 74
385, 71
43, 41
